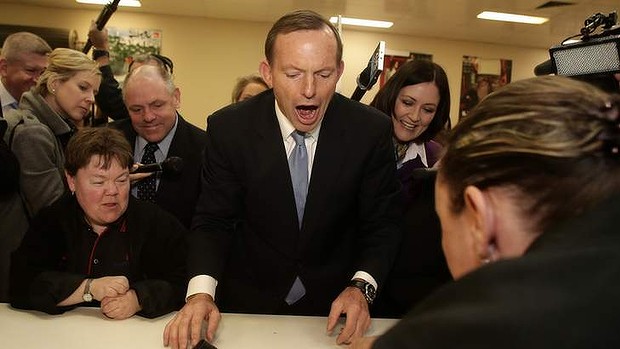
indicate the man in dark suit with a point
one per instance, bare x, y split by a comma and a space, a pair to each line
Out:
152, 101
279, 240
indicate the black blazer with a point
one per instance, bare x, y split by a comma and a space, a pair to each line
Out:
420, 265
245, 232
177, 194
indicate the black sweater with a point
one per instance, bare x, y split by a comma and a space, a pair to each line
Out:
50, 263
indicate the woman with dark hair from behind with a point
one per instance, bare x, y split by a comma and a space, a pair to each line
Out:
528, 193
417, 99
100, 246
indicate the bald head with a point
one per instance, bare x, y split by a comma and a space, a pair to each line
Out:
152, 100
148, 72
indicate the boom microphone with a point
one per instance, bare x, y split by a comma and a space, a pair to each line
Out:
101, 21
172, 165
369, 75
544, 68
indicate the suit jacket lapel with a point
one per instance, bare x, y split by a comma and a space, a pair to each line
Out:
328, 159
270, 157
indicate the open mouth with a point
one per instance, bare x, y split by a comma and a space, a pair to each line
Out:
306, 112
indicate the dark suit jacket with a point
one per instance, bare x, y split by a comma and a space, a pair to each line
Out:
420, 265
245, 232
177, 194
563, 293
110, 96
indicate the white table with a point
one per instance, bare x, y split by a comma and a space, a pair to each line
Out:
88, 328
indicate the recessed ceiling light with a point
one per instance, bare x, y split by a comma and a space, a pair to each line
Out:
128, 3
510, 17
362, 22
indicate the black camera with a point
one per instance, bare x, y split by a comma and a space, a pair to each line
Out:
593, 55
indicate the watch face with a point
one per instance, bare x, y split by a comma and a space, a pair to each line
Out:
369, 292
87, 297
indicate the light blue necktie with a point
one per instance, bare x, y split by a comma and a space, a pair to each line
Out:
298, 165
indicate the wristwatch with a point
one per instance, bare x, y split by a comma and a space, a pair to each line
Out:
87, 296
97, 53
367, 289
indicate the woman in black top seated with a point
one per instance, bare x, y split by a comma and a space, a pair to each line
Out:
100, 246
528, 194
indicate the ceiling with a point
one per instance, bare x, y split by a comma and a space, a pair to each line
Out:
450, 19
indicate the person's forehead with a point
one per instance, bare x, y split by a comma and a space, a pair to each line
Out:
324, 31
300, 38
146, 83
96, 165
29, 59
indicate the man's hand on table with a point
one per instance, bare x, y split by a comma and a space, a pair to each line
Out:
187, 323
352, 303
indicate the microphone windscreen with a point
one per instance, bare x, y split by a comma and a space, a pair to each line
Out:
544, 68
172, 165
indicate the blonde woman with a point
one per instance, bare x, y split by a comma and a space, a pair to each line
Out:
47, 117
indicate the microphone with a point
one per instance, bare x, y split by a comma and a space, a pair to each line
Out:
544, 68
172, 165
369, 75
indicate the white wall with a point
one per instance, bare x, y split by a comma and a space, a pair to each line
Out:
210, 54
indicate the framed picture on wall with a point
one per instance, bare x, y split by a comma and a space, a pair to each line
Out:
395, 59
480, 77
125, 44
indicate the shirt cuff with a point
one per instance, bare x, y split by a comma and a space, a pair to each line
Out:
366, 277
201, 284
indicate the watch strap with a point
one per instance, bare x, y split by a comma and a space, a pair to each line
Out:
368, 290
87, 297
100, 53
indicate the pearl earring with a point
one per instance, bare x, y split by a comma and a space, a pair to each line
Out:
488, 257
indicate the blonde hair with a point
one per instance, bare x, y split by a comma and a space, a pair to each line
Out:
64, 63
244, 81
553, 139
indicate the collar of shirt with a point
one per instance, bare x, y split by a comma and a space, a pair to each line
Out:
286, 128
413, 152
6, 98
164, 145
